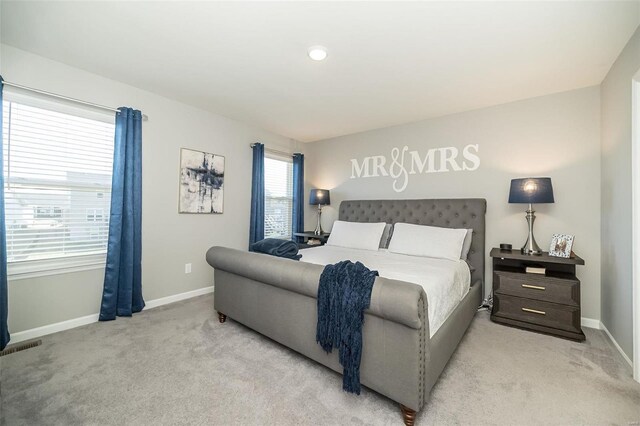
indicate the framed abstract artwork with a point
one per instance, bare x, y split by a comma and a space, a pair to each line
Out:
201, 182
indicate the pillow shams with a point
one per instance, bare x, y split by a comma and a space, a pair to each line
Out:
427, 241
356, 235
466, 245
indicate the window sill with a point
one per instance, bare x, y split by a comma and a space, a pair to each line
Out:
46, 267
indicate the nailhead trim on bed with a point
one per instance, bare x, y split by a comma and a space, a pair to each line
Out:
423, 338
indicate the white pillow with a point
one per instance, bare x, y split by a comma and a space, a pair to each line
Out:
427, 241
466, 245
357, 235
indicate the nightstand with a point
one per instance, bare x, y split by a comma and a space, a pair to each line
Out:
547, 303
311, 235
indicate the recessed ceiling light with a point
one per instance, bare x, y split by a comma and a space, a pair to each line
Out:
317, 53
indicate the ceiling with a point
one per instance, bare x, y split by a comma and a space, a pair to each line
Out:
389, 62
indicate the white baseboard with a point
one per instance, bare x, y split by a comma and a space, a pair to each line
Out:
591, 323
177, 297
52, 328
88, 319
626, 358
597, 324
77, 322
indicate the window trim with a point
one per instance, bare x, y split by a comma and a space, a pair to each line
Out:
59, 265
12, 94
25, 269
279, 157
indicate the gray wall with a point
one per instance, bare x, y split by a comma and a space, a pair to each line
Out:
616, 96
556, 136
169, 239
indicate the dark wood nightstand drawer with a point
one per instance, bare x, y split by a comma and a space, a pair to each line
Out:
537, 287
562, 317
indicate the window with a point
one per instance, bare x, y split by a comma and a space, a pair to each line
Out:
278, 205
57, 175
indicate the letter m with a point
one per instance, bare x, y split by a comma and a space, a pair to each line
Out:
360, 170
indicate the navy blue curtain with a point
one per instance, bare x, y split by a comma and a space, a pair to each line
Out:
4, 300
298, 194
122, 292
256, 226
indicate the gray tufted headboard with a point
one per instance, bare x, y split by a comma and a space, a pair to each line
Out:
447, 213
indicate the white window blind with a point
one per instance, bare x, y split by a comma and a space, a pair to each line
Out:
57, 183
278, 206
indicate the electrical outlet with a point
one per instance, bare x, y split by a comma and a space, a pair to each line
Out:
187, 268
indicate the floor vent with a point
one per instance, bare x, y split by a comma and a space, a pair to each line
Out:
20, 347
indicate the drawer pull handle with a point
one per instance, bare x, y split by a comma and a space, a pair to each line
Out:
534, 287
534, 311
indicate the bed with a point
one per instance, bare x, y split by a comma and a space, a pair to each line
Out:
405, 344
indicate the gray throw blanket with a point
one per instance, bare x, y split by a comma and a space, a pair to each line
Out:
344, 294
277, 247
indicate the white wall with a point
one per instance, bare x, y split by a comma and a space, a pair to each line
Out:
556, 136
169, 239
616, 95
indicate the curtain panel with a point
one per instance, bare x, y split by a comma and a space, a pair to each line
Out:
256, 226
4, 298
298, 195
122, 292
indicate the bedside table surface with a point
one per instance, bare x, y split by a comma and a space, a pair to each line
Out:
311, 234
543, 258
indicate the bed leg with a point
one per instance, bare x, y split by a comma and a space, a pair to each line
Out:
409, 415
222, 317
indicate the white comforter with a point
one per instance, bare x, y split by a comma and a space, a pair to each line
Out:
446, 282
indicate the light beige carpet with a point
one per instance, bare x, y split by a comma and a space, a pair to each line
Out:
177, 365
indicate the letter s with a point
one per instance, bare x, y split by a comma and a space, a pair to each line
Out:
470, 156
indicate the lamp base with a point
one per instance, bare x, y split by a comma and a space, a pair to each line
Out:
533, 252
318, 230
530, 246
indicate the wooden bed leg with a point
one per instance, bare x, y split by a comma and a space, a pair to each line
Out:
409, 415
222, 317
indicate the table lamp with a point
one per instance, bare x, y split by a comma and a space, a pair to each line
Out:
319, 197
533, 190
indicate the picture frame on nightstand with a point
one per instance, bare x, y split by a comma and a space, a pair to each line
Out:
561, 245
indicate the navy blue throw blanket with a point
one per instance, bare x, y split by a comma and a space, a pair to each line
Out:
277, 247
344, 294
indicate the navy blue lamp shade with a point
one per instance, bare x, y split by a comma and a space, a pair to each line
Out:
320, 197
533, 190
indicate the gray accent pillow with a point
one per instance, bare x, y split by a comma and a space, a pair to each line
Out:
386, 236
466, 244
